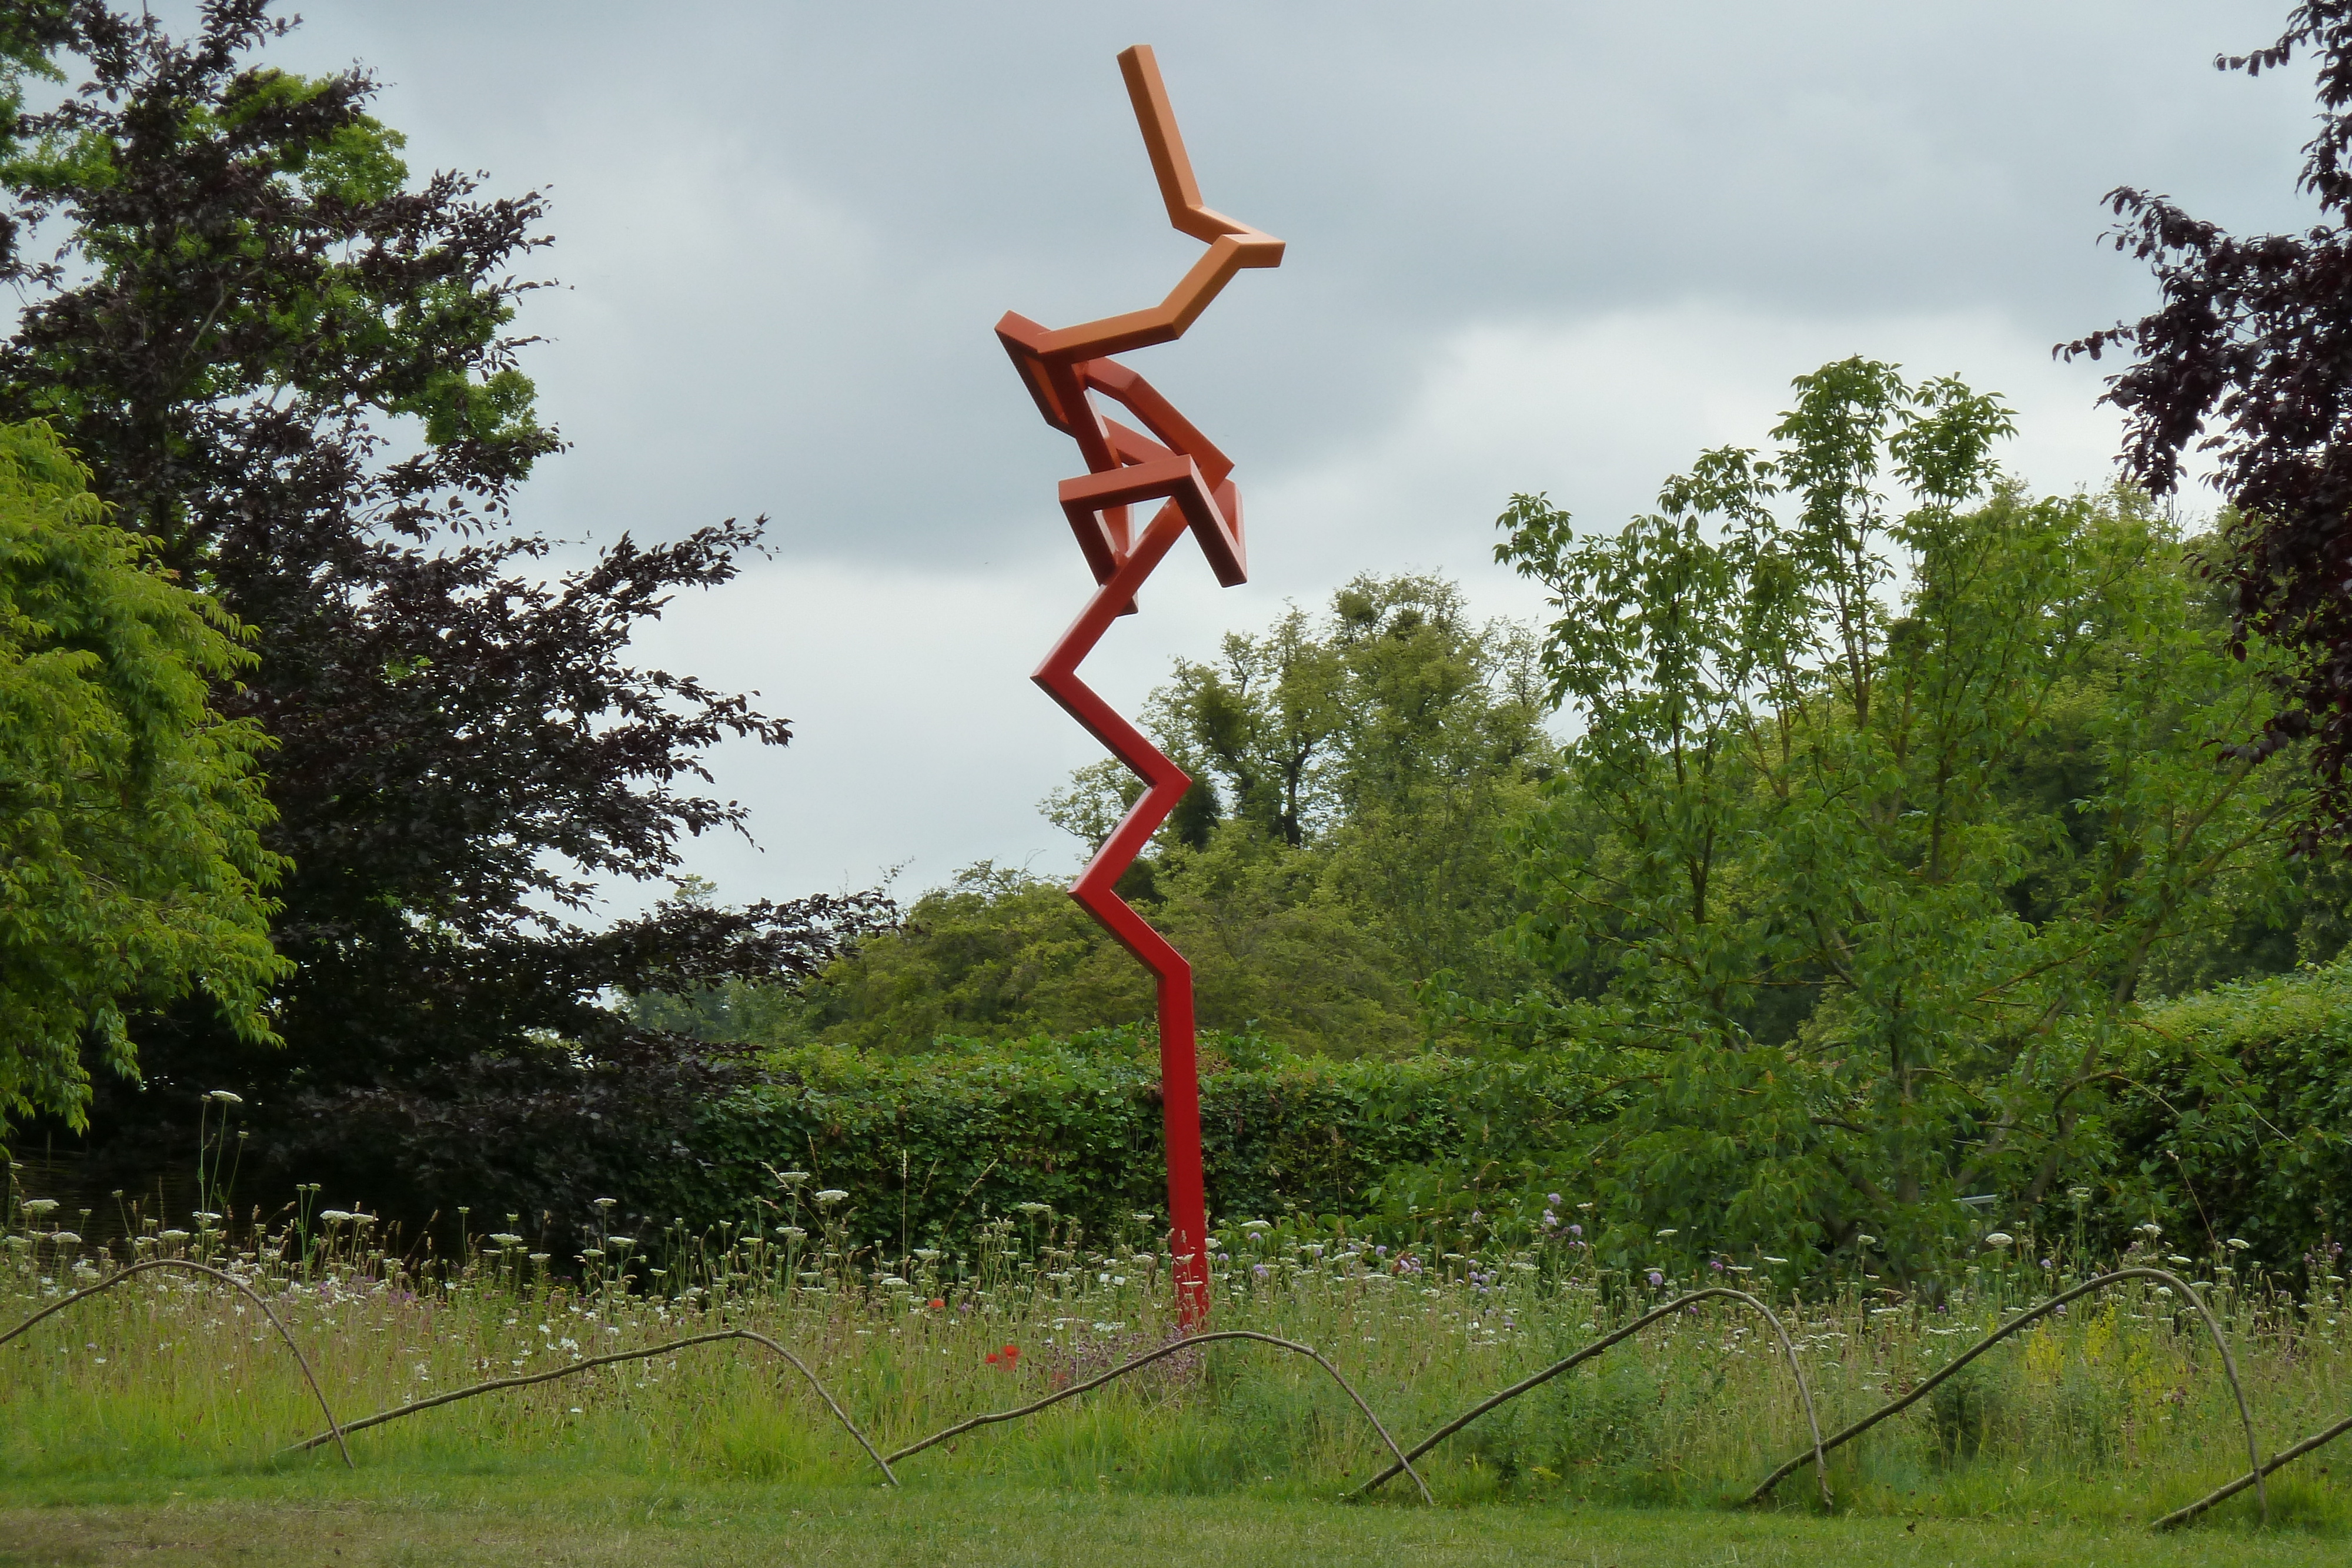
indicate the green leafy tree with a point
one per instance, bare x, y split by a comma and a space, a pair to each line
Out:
293, 362
1320, 720
1342, 843
132, 870
1001, 955
1440, 742
1784, 860
1386, 739
1261, 723
2243, 360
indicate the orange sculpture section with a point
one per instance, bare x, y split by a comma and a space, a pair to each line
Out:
1170, 462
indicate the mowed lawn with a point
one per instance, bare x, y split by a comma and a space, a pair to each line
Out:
503, 1516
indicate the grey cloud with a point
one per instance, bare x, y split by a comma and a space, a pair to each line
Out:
786, 229
1533, 246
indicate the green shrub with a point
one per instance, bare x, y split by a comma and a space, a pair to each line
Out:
2238, 1117
2234, 1116
929, 1145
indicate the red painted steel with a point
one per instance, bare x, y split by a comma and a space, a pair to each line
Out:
1170, 462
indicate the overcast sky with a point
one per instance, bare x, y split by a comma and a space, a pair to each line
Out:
1557, 247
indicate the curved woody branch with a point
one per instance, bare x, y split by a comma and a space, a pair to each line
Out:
335, 1429
1663, 1309
2035, 1313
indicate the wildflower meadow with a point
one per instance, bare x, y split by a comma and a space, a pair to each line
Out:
2107, 1413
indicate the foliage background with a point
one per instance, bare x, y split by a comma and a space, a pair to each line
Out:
929, 1145
134, 872
2236, 1120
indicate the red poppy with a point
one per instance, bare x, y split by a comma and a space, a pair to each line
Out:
936, 1304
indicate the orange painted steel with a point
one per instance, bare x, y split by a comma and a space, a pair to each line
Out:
1170, 462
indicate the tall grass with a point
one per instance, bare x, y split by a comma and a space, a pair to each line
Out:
2114, 1411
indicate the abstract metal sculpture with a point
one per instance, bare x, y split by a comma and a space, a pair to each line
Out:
1175, 464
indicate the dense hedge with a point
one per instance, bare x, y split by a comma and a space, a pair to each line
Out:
2235, 1120
2238, 1117
929, 1145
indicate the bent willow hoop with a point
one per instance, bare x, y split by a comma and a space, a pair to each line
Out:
1403, 1460
1170, 462
1665, 1310
588, 1364
335, 1429
2034, 1314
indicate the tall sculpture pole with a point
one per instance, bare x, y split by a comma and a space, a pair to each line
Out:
1174, 464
